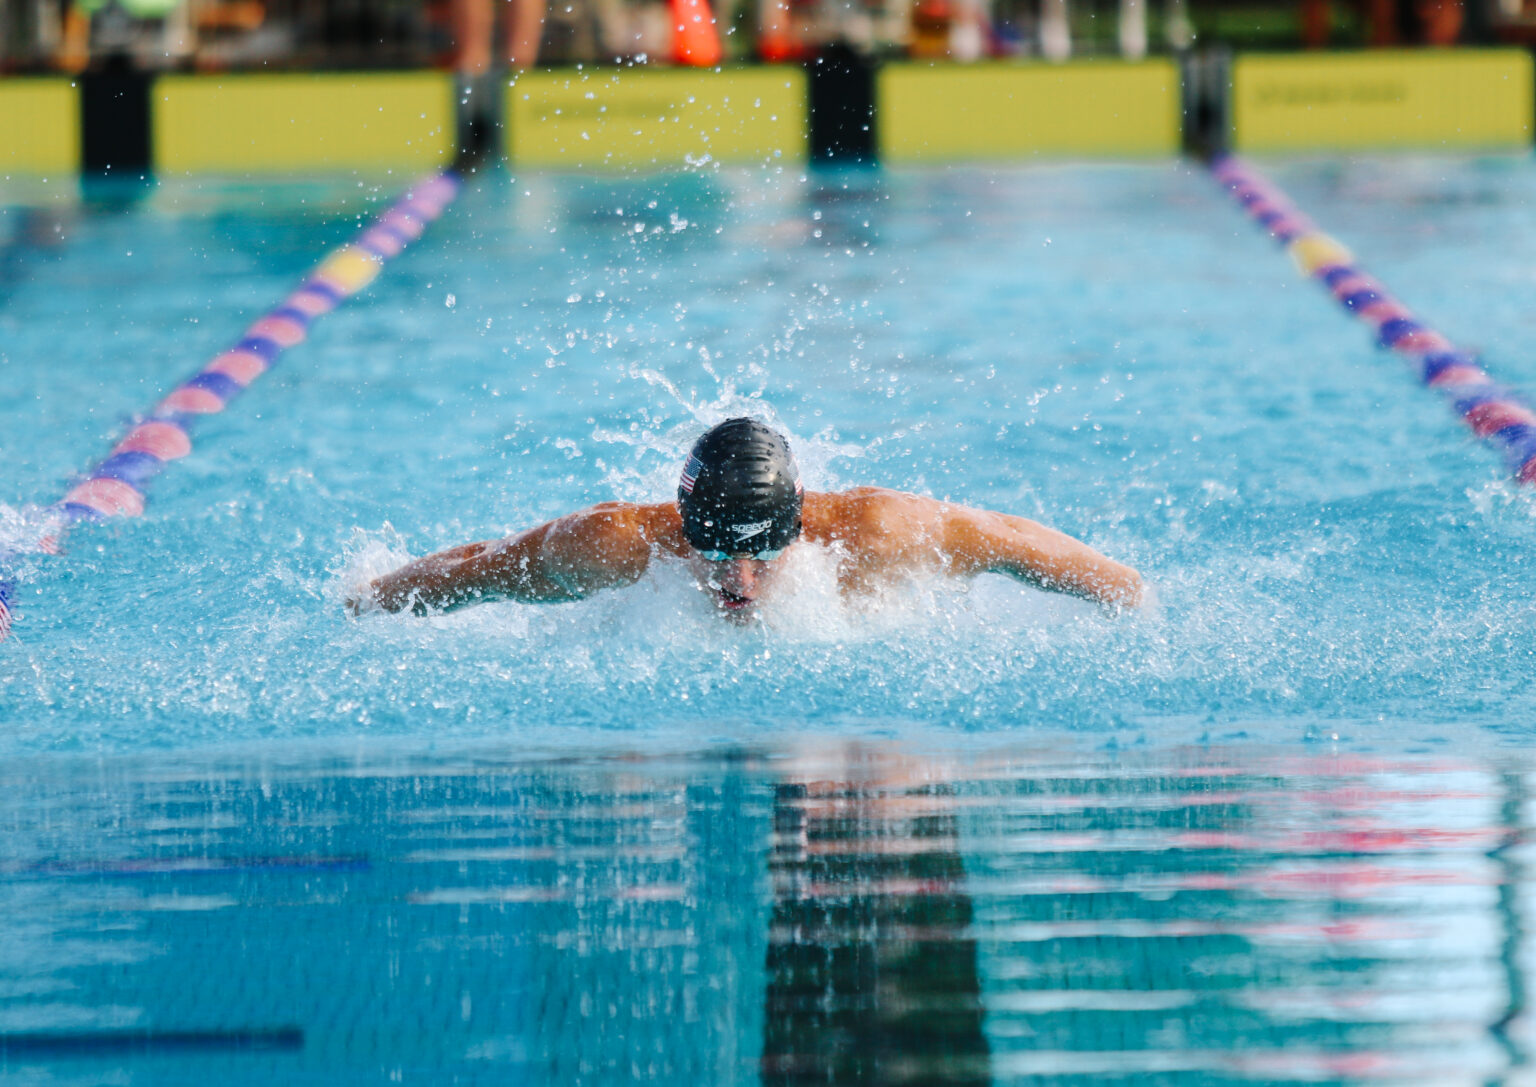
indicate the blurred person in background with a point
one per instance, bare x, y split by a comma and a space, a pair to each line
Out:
149, 30
476, 63
969, 30
1388, 23
474, 27
154, 33
1440, 21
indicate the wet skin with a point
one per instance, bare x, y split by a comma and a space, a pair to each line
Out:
877, 534
736, 584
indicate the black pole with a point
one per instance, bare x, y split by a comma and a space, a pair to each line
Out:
842, 105
1206, 79
114, 118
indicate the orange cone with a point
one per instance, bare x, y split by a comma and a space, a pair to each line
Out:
694, 41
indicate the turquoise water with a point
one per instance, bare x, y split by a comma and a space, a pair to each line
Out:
835, 913
1269, 829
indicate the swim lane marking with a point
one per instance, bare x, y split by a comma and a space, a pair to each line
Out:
1495, 412
115, 486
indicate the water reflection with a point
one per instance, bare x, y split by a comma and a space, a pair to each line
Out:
837, 914
872, 969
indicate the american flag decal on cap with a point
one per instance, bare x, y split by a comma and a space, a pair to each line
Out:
6, 589
691, 473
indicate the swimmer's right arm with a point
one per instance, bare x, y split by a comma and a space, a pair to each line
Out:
1001, 543
565, 559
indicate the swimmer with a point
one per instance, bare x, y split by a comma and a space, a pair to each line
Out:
739, 509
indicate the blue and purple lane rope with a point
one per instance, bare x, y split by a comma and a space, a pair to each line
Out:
115, 486
1494, 411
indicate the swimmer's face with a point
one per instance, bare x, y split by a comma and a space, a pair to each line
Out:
735, 583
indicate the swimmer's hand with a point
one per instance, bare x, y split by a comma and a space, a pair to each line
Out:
1132, 594
360, 600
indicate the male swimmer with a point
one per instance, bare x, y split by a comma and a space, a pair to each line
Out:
739, 508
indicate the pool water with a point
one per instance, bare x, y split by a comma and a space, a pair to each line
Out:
832, 912
1269, 829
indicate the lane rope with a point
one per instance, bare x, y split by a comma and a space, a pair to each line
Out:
1494, 411
115, 486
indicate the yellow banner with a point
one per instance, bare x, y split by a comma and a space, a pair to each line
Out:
274, 123
1360, 101
948, 112
630, 117
39, 126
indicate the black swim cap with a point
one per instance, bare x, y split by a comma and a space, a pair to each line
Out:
740, 491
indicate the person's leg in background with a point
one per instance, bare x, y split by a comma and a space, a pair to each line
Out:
472, 23
524, 28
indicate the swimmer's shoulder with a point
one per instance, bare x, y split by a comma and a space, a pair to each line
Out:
624, 526
655, 525
860, 514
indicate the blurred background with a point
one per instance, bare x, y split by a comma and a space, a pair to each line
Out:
39, 36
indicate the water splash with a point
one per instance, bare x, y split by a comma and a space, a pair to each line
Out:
649, 457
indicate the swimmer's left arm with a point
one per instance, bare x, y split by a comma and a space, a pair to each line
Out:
980, 541
565, 559
468, 574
